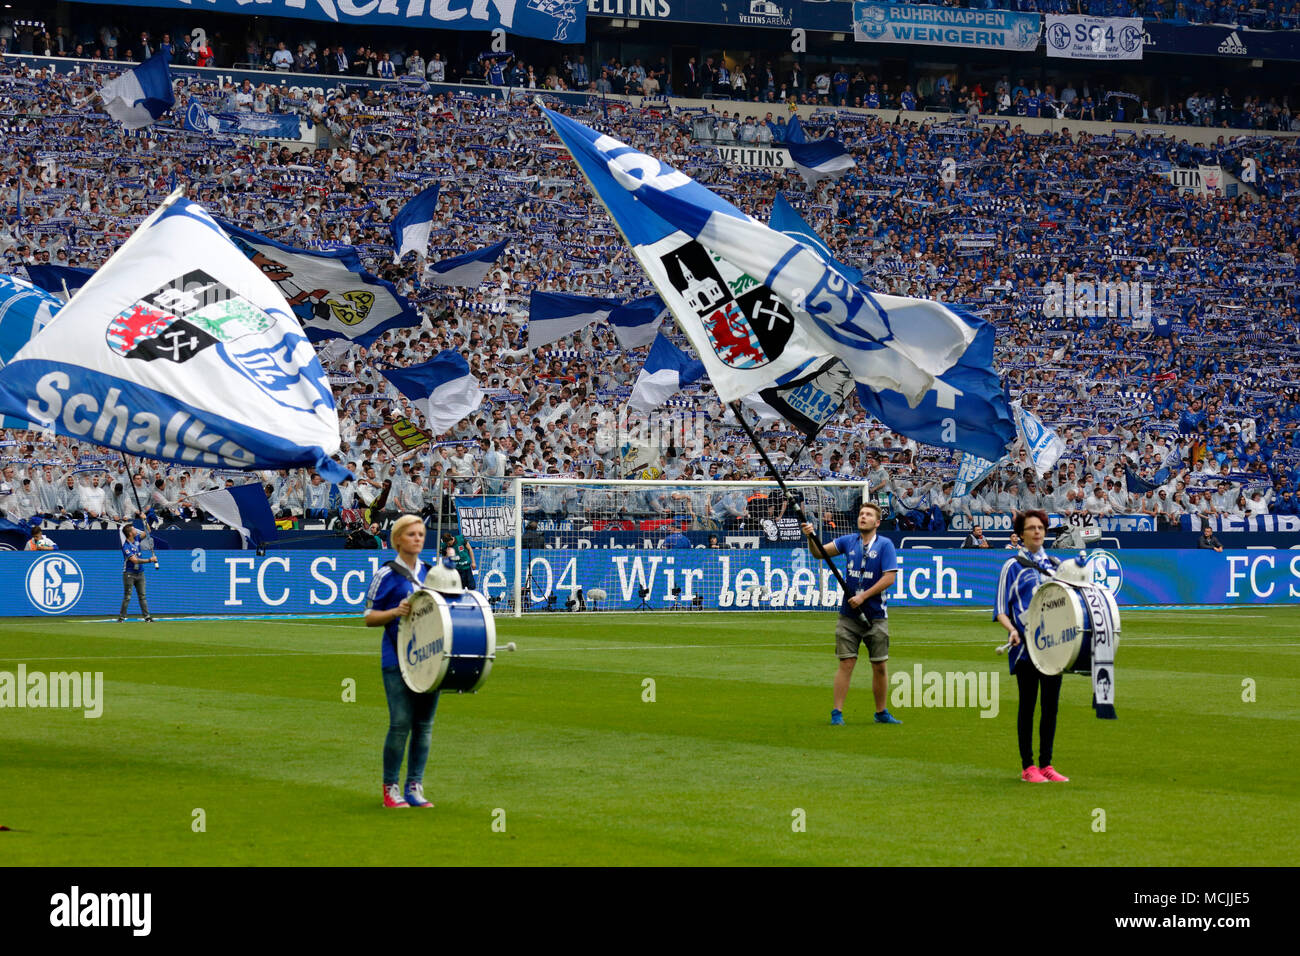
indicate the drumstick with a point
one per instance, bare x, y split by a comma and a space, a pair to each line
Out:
1003, 649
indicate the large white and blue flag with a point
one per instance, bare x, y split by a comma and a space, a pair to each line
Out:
786, 219
244, 508
667, 368
553, 315
442, 388
411, 226
1043, 444
967, 408
636, 323
25, 309
179, 349
735, 285
821, 159
330, 291
466, 271
139, 96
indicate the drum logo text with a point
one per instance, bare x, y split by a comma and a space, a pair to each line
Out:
417, 655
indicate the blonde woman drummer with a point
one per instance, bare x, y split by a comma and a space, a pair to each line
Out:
409, 714
1031, 566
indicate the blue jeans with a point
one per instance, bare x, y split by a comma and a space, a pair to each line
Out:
408, 713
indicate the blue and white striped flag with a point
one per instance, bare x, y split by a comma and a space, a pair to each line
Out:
667, 369
139, 96
331, 292
244, 508
411, 226
735, 285
467, 271
553, 315
636, 323
821, 159
443, 387
180, 349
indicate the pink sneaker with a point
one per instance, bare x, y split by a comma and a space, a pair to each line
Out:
1049, 773
393, 797
1033, 775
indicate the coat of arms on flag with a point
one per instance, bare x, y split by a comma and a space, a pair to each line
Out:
746, 323
195, 312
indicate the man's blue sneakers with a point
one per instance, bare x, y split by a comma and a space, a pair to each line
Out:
885, 717
837, 718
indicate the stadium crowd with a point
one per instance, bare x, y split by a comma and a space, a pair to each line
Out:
1200, 399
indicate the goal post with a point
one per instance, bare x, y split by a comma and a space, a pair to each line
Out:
563, 544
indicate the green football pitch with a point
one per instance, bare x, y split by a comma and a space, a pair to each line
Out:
672, 739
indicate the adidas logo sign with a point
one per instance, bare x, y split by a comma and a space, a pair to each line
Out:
1233, 45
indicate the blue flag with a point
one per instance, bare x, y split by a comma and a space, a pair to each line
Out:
59, 280
637, 322
139, 96
244, 508
968, 408
553, 315
410, 227
794, 131
821, 159
667, 369
755, 303
443, 388
466, 271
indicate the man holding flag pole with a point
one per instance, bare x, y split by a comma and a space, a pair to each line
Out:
761, 304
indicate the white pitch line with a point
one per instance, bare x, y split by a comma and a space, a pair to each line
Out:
173, 657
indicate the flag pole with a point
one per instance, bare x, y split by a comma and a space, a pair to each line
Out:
798, 506
139, 507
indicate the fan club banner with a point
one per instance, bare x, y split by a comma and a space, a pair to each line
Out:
1094, 38
402, 437
291, 582
945, 26
489, 519
560, 20
263, 125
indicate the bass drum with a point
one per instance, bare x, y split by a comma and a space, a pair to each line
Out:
473, 641
1063, 623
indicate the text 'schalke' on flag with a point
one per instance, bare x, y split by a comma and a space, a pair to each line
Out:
139, 96
180, 349
661, 211
330, 292
443, 388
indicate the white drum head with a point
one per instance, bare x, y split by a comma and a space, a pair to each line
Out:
424, 642
1054, 628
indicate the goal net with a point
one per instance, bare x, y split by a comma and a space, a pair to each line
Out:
565, 545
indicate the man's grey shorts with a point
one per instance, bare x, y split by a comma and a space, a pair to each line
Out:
851, 633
